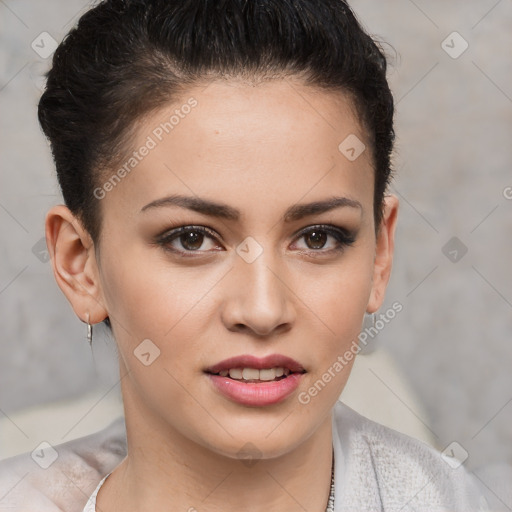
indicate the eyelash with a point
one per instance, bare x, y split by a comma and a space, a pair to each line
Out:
342, 236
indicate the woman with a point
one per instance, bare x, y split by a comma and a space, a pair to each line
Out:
224, 167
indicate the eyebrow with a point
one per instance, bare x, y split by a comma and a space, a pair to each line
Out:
224, 211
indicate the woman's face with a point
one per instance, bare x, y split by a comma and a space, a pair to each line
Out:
255, 273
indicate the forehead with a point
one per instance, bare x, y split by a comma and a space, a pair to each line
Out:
275, 142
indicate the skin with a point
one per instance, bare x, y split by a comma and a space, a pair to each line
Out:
259, 149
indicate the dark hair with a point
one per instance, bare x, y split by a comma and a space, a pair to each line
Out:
127, 58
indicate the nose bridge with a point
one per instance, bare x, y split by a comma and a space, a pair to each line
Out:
259, 299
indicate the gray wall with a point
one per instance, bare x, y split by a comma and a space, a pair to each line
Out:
453, 162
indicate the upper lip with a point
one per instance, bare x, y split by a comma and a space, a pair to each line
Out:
249, 361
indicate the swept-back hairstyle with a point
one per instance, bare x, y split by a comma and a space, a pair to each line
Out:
127, 58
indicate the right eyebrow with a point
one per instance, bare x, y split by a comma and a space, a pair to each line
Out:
222, 210
197, 204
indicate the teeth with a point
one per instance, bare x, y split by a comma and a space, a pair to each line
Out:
235, 373
250, 373
265, 374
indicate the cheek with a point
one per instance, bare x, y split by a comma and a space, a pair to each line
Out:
339, 295
136, 289
150, 298
334, 325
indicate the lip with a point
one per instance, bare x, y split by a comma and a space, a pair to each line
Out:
256, 394
249, 361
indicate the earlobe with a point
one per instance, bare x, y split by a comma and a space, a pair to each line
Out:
74, 263
384, 250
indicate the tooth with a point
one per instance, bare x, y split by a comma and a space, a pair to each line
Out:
235, 373
250, 373
267, 374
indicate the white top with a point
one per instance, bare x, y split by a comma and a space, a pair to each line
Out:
375, 469
91, 503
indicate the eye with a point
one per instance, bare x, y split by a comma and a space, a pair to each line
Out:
187, 239
316, 237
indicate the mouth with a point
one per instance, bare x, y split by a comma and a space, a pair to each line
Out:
247, 368
256, 382
255, 374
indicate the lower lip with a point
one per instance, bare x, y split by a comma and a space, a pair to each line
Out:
256, 393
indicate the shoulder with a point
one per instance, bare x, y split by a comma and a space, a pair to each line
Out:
402, 473
61, 477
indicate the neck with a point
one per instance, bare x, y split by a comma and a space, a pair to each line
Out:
165, 470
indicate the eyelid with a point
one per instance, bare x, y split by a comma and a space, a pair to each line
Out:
343, 236
177, 231
329, 228
165, 239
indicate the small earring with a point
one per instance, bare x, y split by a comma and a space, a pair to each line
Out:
369, 320
89, 331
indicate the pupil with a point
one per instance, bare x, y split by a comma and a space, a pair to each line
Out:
192, 240
318, 238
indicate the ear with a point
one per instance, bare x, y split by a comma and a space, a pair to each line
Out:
74, 264
383, 253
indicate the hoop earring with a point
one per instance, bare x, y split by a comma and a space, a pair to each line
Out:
89, 331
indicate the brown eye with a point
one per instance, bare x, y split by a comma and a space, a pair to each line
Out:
317, 239
193, 240
188, 239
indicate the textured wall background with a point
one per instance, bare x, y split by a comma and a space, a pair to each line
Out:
454, 179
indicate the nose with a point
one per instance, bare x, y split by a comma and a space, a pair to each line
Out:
258, 299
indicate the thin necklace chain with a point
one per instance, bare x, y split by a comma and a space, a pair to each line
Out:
330, 503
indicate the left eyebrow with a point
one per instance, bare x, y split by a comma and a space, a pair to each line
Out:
224, 211
299, 211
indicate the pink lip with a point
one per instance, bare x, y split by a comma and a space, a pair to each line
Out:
256, 393
248, 361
